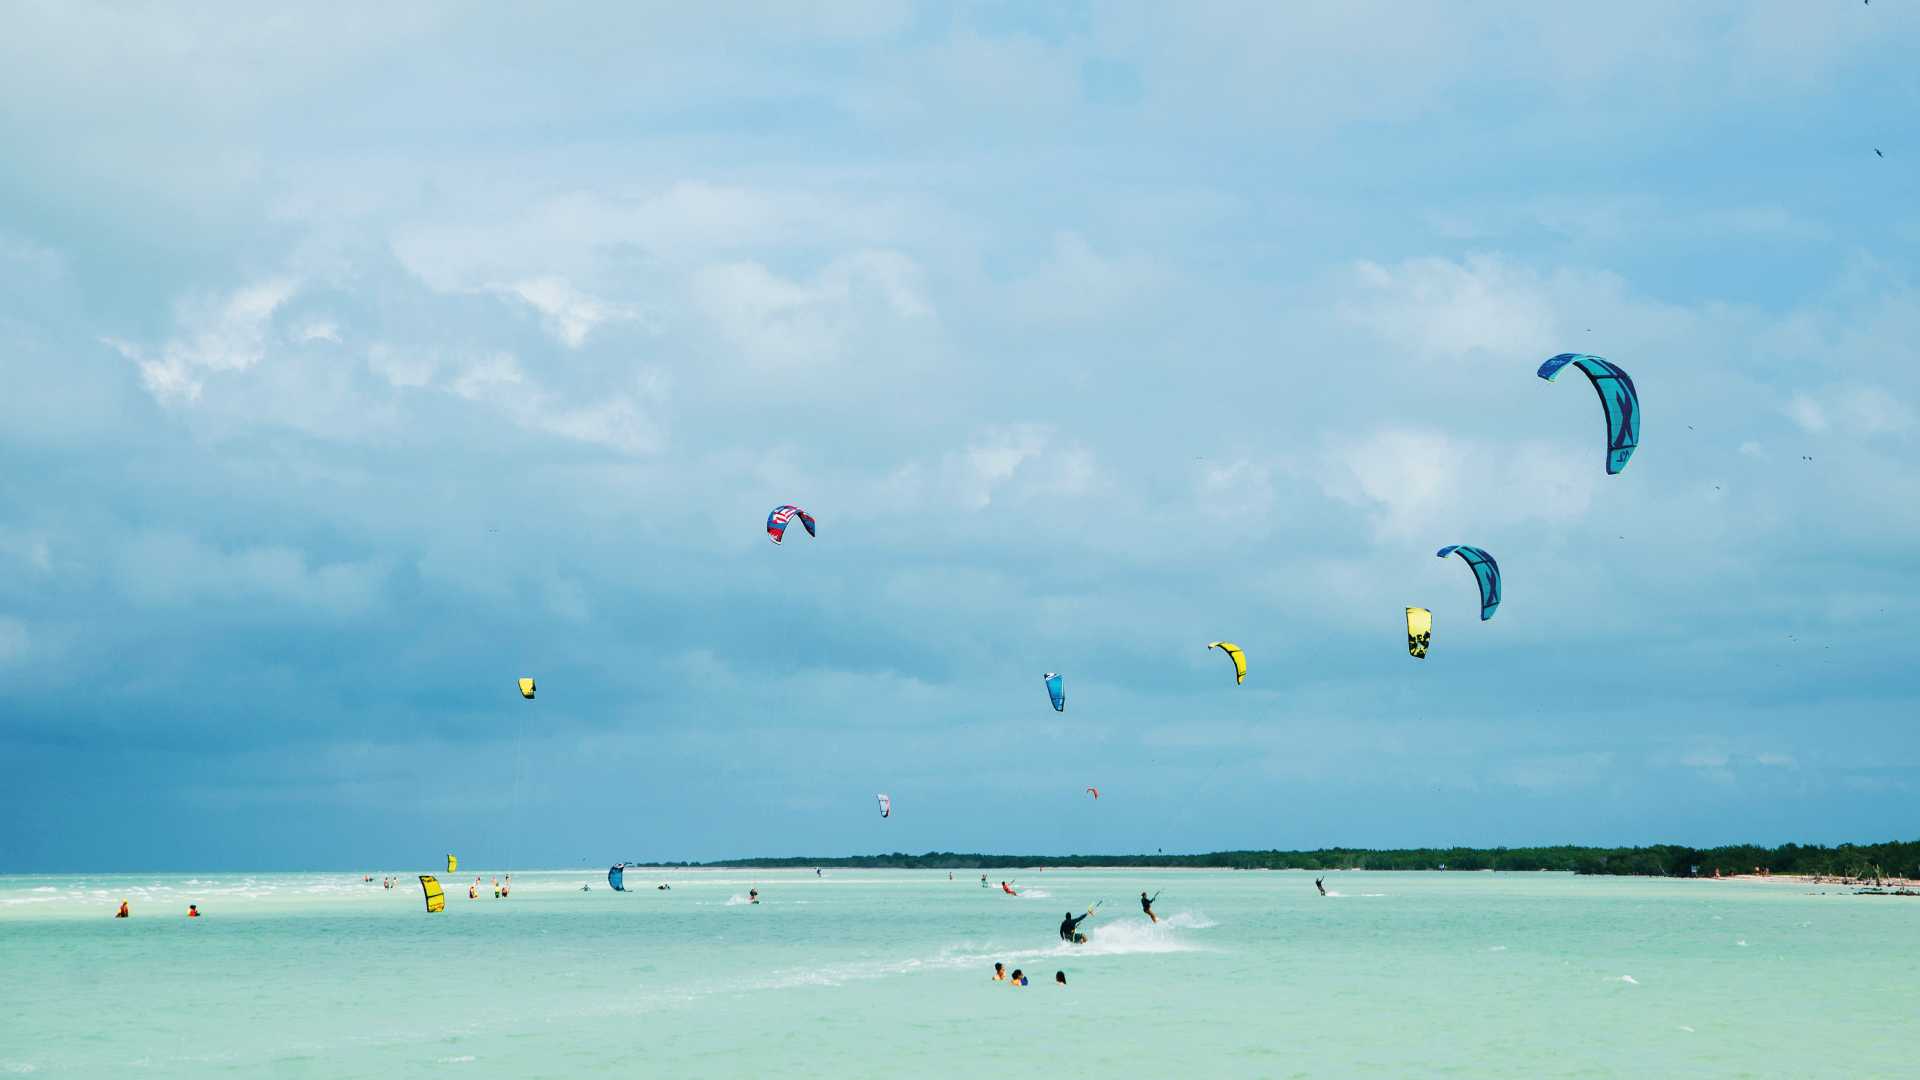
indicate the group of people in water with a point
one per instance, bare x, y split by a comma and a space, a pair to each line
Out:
1019, 978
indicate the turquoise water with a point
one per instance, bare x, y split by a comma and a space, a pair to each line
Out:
886, 973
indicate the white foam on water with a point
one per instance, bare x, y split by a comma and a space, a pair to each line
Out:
18, 1068
1628, 979
1188, 920
1686, 1029
461, 1060
1498, 948
1742, 943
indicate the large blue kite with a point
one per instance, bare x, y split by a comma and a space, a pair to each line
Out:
1617, 396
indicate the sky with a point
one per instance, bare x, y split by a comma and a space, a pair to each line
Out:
362, 358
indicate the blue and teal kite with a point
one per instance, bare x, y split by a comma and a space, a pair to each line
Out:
1485, 571
617, 877
1617, 396
1056, 691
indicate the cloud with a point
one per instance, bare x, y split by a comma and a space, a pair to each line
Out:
218, 334
570, 314
172, 570
1420, 482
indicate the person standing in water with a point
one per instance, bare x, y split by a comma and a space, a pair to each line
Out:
507, 889
496, 888
1070, 928
193, 911
1146, 904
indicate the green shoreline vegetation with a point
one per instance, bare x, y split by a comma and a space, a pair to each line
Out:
1891, 859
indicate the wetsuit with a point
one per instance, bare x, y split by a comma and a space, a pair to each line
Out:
1070, 926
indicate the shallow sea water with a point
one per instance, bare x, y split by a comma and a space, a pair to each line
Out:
887, 974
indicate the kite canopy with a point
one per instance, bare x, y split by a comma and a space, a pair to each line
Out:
1617, 397
777, 522
436, 899
526, 688
1485, 571
886, 806
1057, 691
1094, 791
617, 877
1233, 653
452, 863
1419, 632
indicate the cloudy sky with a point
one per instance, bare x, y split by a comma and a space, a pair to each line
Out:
359, 362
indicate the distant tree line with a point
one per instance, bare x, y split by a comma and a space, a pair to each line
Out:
1661, 860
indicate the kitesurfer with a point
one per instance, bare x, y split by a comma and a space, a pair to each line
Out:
1320, 883
1008, 889
753, 896
663, 887
983, 881
1146, 904
123, 912
1070, 928
193, 911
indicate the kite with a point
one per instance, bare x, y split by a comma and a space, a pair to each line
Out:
1419, 632
886, 806
1056, 691
1485, 571
1617, 396
1233, 653
781, 515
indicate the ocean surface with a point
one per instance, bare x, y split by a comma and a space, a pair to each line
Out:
887, 974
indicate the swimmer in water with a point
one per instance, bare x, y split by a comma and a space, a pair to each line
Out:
1146, 905
1070, 928
753, 896
1059, 978
663, 887
1019, 978
1318, 883
193, 911
999, 971
123, 913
